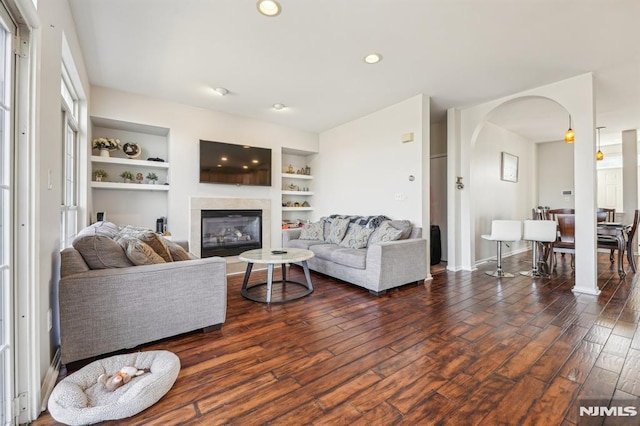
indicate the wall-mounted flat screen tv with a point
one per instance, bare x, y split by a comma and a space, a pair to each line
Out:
234, 164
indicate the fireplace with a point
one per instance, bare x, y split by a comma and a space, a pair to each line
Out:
230, 232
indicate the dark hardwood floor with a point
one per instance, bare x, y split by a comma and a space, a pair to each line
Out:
464, 348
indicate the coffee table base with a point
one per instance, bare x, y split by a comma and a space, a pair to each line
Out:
269, 283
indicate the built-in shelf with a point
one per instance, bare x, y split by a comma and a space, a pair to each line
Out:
296, 176
297, 209
129, 186
303, 193
129, 162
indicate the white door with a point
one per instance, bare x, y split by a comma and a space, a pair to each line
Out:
7, 29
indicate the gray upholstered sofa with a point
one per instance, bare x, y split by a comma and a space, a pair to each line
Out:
121, 306
378, 266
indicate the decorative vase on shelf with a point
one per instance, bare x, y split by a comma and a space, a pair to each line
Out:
104, 153
98, 178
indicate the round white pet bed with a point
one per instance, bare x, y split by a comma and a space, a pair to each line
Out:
79, 399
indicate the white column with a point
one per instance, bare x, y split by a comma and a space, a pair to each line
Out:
630, 176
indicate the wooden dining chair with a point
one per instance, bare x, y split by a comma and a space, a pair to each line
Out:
610, 243
566, 238
553, 213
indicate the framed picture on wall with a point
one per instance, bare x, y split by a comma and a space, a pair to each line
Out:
509, 167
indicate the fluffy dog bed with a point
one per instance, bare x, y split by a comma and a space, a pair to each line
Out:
79, 399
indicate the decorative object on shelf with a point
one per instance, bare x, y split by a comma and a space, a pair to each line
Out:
131, 149
139, 177
105, 145
306, 204
160, 160
152, 177
290, 169
127, 176
307, 170
99, 174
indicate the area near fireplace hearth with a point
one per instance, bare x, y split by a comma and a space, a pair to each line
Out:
235, 211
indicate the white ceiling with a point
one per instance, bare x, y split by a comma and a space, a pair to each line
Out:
458, 52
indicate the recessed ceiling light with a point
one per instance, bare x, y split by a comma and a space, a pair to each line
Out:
373, 58
223, 158
279, 106
269, 8
221, 91
245, 167
254, 161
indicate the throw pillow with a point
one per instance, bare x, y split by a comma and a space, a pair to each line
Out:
177, 252
385, 232
337, 230
101, 252
403, 225
138, 252
356, 237
313, 231
155, 241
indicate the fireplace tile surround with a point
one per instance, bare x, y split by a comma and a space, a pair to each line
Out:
197, 204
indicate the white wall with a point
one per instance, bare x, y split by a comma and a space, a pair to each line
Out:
493, 198
555, 174
363, 166
55, 23
187, 125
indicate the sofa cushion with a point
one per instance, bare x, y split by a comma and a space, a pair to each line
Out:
353, 258
155, 241
71, 262
101, 252
138, 252
385, 232
337, 230
313, 231
107, 229
324, 251
356, 237
304, 244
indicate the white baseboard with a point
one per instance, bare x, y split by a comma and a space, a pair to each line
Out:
50, 380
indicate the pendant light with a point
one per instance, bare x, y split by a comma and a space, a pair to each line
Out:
569, 135
599, 154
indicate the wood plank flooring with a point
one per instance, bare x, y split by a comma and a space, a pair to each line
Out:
465, 348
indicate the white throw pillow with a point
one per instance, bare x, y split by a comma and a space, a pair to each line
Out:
313, 231
356, 237
337, 230
385, 232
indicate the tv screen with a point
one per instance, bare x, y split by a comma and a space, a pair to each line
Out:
234, 164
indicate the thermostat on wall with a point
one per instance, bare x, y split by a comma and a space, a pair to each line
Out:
567, 192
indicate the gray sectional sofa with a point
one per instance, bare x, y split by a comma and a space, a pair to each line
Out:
369, 253
110, 302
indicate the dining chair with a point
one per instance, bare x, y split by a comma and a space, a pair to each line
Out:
605, 215
539, 232
553, 213
605, 242
503, 231
566, 238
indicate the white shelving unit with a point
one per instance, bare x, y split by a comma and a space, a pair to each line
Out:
137, 204
303, 191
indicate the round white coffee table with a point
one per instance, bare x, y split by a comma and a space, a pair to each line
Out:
271, 257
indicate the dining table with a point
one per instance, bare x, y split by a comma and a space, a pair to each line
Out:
618, 231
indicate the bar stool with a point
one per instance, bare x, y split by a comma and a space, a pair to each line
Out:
539, 231
503, 231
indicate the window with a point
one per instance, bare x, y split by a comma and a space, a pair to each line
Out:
70, 158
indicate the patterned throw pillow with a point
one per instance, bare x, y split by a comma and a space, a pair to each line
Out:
357, 236
337, 230
138, 252
385, 232
313, 231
